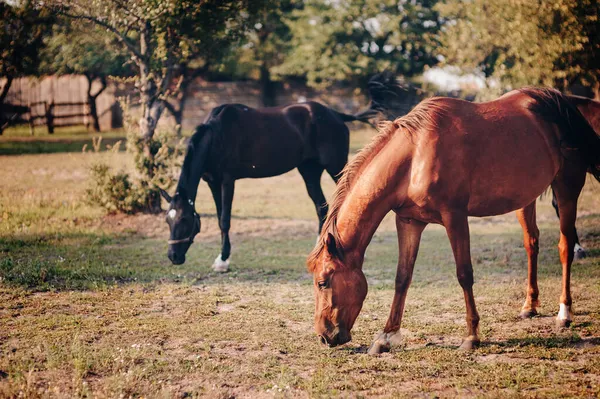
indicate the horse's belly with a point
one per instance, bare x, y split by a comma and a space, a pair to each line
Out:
503, 195
268, 164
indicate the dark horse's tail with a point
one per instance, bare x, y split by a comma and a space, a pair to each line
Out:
576, 131
383, 89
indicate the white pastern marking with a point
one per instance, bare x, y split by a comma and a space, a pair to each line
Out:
577, 248
172, 213
220, 265
564, 312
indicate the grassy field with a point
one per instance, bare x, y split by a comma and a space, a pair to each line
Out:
18, 140
90, 306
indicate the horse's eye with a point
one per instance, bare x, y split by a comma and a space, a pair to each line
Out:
323, 284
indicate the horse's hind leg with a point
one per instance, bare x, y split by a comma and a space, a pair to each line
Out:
531, 236
409, 237
311, 172
457, 228
567, 189
578, 251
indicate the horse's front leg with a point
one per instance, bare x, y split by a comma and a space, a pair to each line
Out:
409, 237
221, 263
531, 235
457, 228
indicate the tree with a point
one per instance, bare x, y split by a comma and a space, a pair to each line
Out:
552, 43
22, 29
72, 49
163, 38
265, 46
167, 41
350, 40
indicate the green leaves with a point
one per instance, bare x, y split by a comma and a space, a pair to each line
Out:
22, 29
350, 40
518, 43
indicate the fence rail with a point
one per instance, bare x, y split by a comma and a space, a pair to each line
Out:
51, 113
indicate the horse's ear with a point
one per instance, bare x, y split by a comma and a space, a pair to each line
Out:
332, 246
165, 195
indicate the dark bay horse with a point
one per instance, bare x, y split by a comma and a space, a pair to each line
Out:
446, 160
237, 142
590, 109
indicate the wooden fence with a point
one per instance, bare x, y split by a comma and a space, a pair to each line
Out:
60, 101
66, 98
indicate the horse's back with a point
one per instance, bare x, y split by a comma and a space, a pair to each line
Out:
263, 142
494, 157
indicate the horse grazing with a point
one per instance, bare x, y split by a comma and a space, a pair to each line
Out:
446, 160
237, 142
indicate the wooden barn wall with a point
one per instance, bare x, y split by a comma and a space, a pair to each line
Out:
62, 89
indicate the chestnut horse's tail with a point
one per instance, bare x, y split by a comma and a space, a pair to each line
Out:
576, 131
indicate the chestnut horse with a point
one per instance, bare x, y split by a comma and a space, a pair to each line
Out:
446, 160
237, 142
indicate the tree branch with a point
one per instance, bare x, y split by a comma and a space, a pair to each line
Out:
5, 88
120, 36
170, 107
102, 88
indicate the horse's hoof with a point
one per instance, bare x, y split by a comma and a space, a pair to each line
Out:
579, 252
564, 317
378, 347
220, 265
528, 313
469, 344
384, 341
563, 323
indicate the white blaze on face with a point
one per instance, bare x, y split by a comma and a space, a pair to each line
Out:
172, 214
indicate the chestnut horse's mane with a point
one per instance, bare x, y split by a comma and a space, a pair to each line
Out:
548, 104
422, 115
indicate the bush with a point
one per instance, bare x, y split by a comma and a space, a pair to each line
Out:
155, 163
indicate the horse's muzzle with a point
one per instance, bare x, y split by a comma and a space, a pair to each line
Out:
175, 258
339, 337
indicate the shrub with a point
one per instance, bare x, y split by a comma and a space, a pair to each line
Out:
155, 162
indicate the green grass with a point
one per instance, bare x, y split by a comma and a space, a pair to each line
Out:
90, 306
18, 140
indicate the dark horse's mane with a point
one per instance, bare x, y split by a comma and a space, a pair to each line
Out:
554, 107
422, 115
210, 126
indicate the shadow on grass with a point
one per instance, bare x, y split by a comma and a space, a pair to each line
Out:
572, 341
46, 146
80, 261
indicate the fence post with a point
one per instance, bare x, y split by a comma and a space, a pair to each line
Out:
49, 116
31, 125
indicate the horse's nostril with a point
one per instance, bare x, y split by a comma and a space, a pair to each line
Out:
323, 339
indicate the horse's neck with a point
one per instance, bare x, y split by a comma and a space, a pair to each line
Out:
194, 166
359, 217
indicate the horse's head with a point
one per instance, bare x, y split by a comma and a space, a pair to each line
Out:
340, 291
184, 224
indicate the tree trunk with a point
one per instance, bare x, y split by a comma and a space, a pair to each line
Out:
182, 98
3, 93
596, 89
92, 99
267, 87
178, 115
